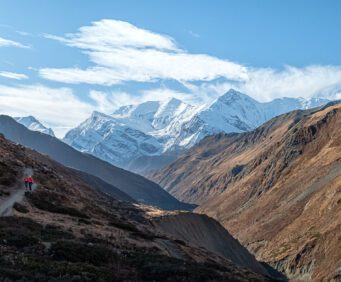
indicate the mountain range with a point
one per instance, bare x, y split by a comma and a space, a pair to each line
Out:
150, 135
275, 188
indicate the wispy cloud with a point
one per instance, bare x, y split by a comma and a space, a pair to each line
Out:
123, 52
193, 34
13, 75
107, 102
267, 84
10, 43
106, 35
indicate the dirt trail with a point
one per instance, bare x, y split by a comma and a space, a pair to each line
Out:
17, 196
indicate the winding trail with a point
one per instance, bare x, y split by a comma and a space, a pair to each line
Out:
6, 205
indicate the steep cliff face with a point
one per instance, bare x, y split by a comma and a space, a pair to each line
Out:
68, 228
276, 189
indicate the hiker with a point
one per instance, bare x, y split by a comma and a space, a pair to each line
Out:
30, 182
26, 183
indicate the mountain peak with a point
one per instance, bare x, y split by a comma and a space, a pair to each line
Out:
33, 124
233, 91
27, 118
98, 114
173, 101
234, 95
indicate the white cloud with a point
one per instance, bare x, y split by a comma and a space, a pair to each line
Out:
144, 66
55, 107
95, 75
10, 43
107, 102
13, 75
267, 84
206, 92
163, 93
123, 52
106, 34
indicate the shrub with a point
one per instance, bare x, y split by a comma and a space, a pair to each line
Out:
80, 252
123, 225
163, 268
52, 233
53, 202
18, 237
84, 221
20, 208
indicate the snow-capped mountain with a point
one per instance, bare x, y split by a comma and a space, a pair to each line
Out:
33, 124
237, 112
112, 139
153, 129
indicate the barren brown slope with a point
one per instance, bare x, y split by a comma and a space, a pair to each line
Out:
69, 230
197, 229
206, 169
276, 189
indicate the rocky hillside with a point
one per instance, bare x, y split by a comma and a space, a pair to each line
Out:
68, 229
276, 189
136, 186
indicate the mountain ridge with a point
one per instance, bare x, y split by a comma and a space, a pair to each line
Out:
152, 129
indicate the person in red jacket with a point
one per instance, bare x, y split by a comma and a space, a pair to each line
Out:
30, 182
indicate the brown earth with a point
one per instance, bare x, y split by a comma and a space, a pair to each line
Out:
277, 189
68, 230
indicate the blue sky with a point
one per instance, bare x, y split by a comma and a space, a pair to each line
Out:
59, 60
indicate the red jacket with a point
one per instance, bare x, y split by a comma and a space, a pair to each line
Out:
29, 179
